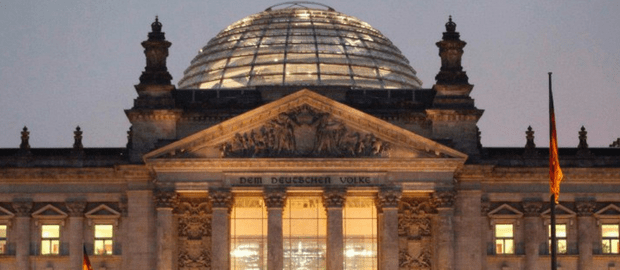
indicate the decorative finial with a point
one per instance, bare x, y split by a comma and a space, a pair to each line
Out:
615, 144
582, 148
156, 25
450, 25
25, 145
77, 136
530, 138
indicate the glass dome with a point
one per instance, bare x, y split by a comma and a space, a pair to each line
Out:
299, 45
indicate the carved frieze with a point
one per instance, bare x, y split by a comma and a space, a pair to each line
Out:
414, 217
22, 208
420, 261
220, 198
194, 257
194, 217
304, 132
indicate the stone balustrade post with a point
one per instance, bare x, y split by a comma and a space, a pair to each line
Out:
275, 199
387, 202
532, 231
76, 235
166, 248
221, 205
334, 199
586, 226
22, 233
444, 201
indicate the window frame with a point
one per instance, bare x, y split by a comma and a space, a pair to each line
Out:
503, 239
104, 239
610, 239
4, 248
558, 238
111, 217
42, 239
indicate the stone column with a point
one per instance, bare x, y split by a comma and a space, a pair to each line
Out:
76, 235
444, 201
387, 202
221, 204
531, 233
22, 234
166, 248
467, 230
586, 226
333, 199
275, 200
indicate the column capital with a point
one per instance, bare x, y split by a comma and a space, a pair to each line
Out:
274, 197
585, 208
444, 198
22, 208
389, 197
334, 197
165, 198
221, 198
531, 208
76, 208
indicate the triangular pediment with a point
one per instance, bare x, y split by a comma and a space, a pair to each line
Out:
560, 212
505, 211
611, 211
305, 125
5, 214
102, 211
49, 211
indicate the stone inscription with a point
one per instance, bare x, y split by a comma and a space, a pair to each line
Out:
306, 180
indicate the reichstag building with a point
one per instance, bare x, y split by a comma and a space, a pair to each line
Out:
300, 138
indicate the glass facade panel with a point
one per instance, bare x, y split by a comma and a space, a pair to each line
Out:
50, 239
304, 226
610, 238
360, 233
248, 233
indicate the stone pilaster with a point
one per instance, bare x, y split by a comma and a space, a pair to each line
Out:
586, 226
444, 201
334, 199
139, 253
532, 231
387, 202
76, 237
22, 233
467, 231
275, 200
164, 203
221, 204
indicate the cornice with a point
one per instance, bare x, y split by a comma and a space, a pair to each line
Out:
301, 164
489, 174
149, 115
454, 115
68, 175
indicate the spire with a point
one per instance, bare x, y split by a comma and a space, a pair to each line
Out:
451, 51
582, 148
530, 146
77, 137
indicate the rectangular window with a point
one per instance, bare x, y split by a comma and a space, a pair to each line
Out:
248, 234
610, 235
3, 238
50, 239
560, 235
304, 226
504, 239
360, 233
104, 242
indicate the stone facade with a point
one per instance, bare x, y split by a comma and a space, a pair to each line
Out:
439, 194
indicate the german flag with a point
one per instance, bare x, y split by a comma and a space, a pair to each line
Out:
555, 173
86, 262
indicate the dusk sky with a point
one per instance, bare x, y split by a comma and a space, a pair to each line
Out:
69, 63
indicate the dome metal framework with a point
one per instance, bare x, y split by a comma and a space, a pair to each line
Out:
300, 45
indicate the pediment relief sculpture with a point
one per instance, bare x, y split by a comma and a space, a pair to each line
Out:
304, 132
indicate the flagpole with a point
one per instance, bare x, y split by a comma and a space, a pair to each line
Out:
554, 248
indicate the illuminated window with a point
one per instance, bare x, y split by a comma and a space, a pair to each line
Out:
50, 239
305, 229
3, 239
610, 234
504, 239
104, 242
248, 233
360, 233
560, 235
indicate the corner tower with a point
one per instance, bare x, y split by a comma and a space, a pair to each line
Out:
153, 116
453, 112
